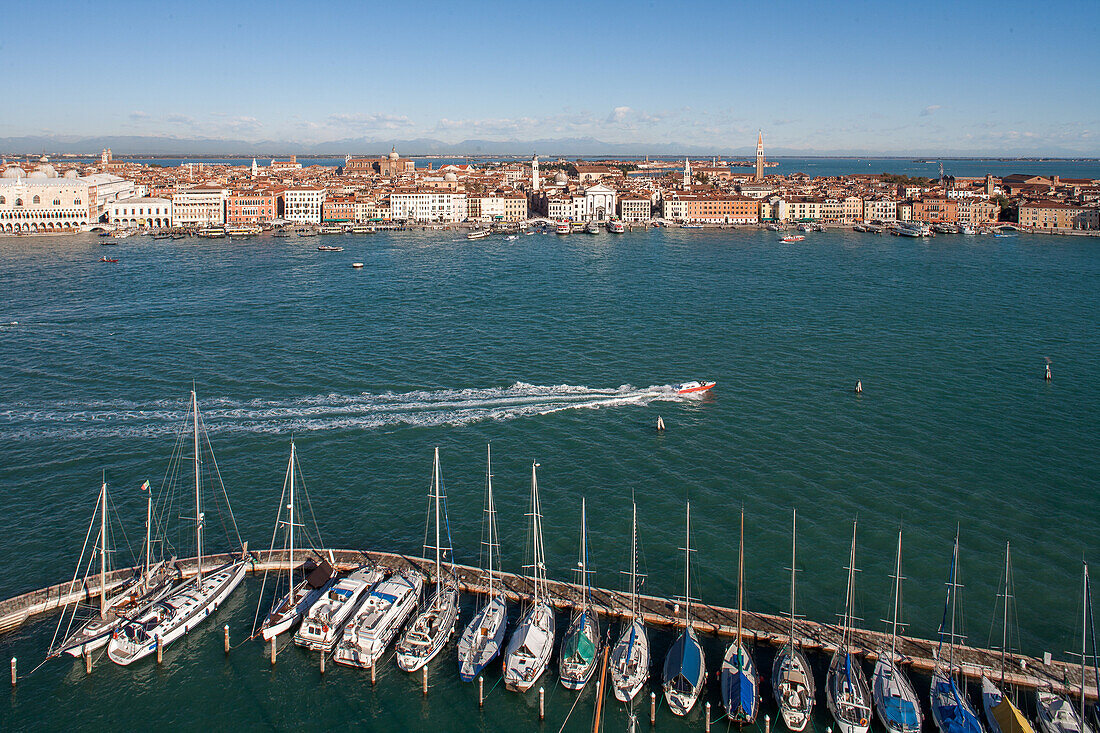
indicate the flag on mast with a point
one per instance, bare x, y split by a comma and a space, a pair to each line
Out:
145, 486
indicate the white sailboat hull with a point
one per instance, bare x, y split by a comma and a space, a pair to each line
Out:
630, 663
482, 638
190, 605
301, 608
429, 632
529, 648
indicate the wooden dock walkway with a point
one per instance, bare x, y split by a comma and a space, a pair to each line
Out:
920, 654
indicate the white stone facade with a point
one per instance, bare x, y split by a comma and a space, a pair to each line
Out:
141, 212
434, 205
200, 206
43, 205
303, 205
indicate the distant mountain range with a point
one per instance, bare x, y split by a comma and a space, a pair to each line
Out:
124, 145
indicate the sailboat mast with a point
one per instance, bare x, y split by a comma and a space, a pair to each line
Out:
584, 554
687, 567
198, 483
435, 481
148, 532
1004, 624
848, 594
740, 577
536, 530
954, 598
492, 510
794, 531
634, 560
897, 600
290, 516
103, 550
1084, 636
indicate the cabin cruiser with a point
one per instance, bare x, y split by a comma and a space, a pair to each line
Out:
563, 227
381, 616
323, 623
615, 227
478, 234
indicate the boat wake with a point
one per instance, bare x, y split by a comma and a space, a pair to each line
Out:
364, 411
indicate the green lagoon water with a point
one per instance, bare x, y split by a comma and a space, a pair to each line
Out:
558, 350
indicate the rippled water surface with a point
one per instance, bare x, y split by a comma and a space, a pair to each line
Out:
561, 350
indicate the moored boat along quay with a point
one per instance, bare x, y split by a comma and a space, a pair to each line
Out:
919, 655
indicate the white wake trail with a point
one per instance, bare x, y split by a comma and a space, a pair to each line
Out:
363, 411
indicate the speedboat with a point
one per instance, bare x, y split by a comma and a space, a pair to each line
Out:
385, 611
107, 259
693, 387
329, 248
792, 238
357, 265
691, 226
325, 620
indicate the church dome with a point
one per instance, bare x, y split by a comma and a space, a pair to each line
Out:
43, 159
48, 170
13, 171
450, 177
560, 177
71, 174
38, 175
394, 155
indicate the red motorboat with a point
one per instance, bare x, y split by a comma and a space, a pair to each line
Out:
107, 259
693, 387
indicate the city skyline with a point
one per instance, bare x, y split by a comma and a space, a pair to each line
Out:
860, 79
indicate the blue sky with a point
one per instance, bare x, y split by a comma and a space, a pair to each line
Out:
1006, 77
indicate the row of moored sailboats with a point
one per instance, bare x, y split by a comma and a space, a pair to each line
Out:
357, 616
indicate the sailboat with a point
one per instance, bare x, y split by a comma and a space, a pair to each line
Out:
685, 670
630, 656
1095, 653
288, 610
580, 647
740, 685
1056, 713
529, 649
483, 637
950, 708
792, 679
846, 688
190, 603
431, 629
896, 701
152, 582
1000, 712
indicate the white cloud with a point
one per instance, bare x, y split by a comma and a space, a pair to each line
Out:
930, 109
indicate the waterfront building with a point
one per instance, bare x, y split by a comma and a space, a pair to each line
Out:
936, 210
1051, 214
250, 207
370, 210
599, 202
200, 206
799, 208
852, 208
42, 204
880, 209
635, 208
302, 204
428, 205
103, 189
338, 210
711, 208
142, 212
832, 210
511, 206
977, 212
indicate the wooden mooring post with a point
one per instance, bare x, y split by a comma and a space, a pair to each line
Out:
87, 660
706, 718
425, 678
372, 675
322, 661
160, 650
273, 650
226, 644
480, 687
653, 708
14, 676
542, 703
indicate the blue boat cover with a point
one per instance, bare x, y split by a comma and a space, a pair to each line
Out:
684, 663
953, 715
900, 712
384, 596
740, 690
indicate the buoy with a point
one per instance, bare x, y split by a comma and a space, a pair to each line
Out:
1048, 373
661, 422
859, 386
